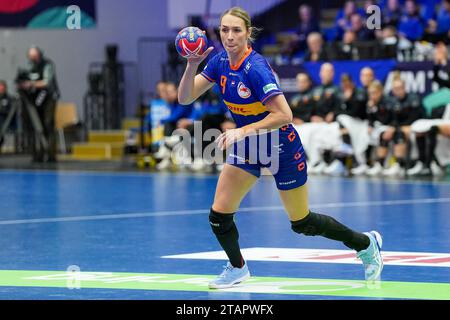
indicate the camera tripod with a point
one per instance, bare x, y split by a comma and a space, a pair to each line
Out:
36, 123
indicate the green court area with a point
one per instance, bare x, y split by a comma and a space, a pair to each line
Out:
195, 283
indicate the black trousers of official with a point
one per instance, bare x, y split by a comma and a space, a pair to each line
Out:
42, 125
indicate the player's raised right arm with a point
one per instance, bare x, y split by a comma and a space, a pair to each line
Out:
192, 85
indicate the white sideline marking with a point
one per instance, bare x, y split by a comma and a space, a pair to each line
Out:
396, 258
206, 211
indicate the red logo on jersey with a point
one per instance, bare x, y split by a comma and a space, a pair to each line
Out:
243, 91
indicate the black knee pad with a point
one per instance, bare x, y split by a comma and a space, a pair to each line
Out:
221, 223
399, 137
312, 225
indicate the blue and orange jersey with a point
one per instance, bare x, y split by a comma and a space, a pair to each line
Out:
245, 87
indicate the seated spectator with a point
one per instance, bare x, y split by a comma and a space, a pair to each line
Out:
438, 25
351, 101
325, 95
208, 113
387, 43
212, 113
411, 25
177, 112
366, 77
379, 116
302, 104
343, 18
326, 102
359, 28
307, 24
406, 108
443, 20
346, 50
441, 69
427, 8
426, 131
435, 155
350, 114
391, 13
315, 50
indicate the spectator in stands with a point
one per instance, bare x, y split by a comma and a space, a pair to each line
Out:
177, 111
350, 112
406, 108
437, 24
387, 43
326, 102
411, 25
302, 104
161, 90
391, 13
427, 130
307, 24
380, 116
358, 26
325, 95
170, 123
351, 100
443, 20
315, 50
427, 8
213, 114
366, 77
441, 66
346, 49
343, 18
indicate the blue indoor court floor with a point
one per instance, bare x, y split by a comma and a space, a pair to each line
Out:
119, 235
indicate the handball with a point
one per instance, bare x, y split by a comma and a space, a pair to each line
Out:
191, 42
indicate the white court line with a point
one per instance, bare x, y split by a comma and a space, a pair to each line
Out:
105, 173
206, 211
207, 176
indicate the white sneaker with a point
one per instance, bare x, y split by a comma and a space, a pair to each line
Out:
375, 170
394, 171
417, 169
162, 153
230, 277
318, 168
336, 168
172, 140
359, 170
198, 164
164, 164
436, 169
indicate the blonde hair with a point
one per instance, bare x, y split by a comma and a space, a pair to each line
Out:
377, 85
241, 13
